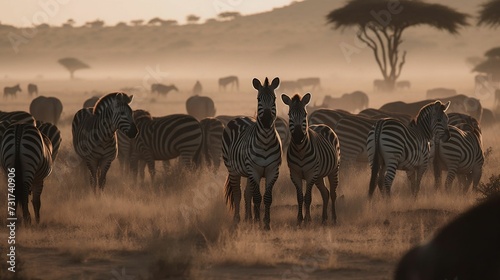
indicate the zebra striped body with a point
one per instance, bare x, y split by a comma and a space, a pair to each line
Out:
212, 141
462, 155
313, 154
54, 135
327, 116
94, 136
393, 146
29, 152
252, 149
165, 138
16, 116
377, 114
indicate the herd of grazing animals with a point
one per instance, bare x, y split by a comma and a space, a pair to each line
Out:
399, 136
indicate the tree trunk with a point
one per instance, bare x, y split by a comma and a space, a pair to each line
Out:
390, 84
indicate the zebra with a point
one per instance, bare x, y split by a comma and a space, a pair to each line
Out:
200, 107
91, 101
165, 138
393, 146
163, 89
212, 129
252, 149
327, 116
313, 154
233, 80
16, 116
32, 89
380, 114
403, 85
313, 82
12, 91
94, 138
47, 109
436, 93
54, 135
462, 155
197, 89
28, 154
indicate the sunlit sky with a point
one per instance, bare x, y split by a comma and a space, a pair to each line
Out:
56, 12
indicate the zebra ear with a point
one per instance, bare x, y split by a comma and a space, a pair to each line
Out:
256, 84
446, 106
275, 83
306, 99
286, 99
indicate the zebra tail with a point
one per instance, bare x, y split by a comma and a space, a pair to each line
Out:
228, 193
20, 192
376, 156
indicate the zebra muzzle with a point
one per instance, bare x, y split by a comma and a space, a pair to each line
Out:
267, 118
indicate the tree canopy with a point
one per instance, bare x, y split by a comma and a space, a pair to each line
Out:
381, 23
72, 64
490, 13
492, 53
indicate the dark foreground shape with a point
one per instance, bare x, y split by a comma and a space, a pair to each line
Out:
465, 249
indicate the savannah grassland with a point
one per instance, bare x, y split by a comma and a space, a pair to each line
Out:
181, 227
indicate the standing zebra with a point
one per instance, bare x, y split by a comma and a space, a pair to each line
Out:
252, 149
16, 116
212, 141
392, 146
94, 136
29, 153
12, 91
313, 154
165, 138
462, 155
54, 135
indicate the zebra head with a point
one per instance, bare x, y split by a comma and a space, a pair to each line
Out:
266, 102
115, 108
297, 116
434, 116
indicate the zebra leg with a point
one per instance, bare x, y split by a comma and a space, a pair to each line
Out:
268, 197
412, 177
93, 175
152, 172
24, 205
452, 172
477, 173
297, 181
37, 192
389, 178
419, 173
102, 174
437, 173
234, 190
254, 185
248, 202
333, 178
307, 200
325, 195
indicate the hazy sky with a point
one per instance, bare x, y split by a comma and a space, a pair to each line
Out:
55, 12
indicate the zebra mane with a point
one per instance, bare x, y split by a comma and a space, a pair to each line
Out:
266, 82
296, 97
141, 114
100, 105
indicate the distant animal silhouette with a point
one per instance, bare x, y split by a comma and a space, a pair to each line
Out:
91, 101
467, 248
46, 109
12, 91
32, 89
200, 107
488, 119
437, 93
313, 82
163, 89
459, 104
290, 86
197, 89
403, 85
232, 80
379, 85
351, 102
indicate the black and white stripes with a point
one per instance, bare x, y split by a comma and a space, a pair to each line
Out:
313, 154
393, 146
252, 149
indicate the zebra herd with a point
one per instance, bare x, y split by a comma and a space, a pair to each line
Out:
253, 148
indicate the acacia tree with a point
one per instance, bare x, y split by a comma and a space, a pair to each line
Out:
381, 24
490, 14
72, 64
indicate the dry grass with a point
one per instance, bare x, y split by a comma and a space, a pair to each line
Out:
182, 229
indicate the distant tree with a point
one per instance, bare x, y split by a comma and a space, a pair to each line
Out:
490, 66
72, 64
137, 22
493, 53
70, 22
155, 21
381, 24
169, 22
228, 15
43, 26
490, 14
211, 20
95, 24
121, 24
192, 19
